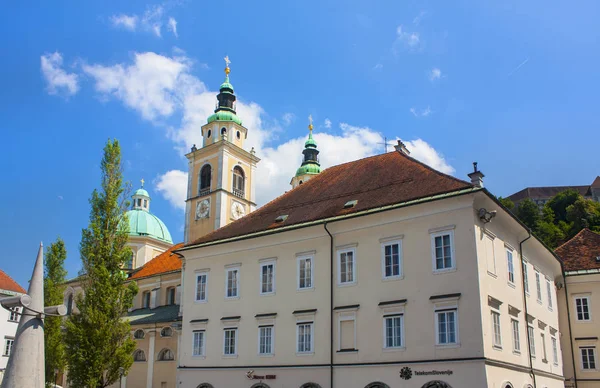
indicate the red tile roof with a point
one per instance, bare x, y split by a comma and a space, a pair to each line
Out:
7, 283
165, 262
580, 252
375, 181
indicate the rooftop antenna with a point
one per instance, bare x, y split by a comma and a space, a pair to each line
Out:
385, 145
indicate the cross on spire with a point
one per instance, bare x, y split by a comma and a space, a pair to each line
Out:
142, 182
227, 62
310, 121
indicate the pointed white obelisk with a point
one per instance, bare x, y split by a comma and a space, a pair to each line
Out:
26, 363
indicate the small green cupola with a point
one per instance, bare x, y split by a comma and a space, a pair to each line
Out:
225, 110
310, 162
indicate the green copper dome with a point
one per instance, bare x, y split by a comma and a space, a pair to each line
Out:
223, 115
310, 143
309, 168
142, 223
226, 85
141, 192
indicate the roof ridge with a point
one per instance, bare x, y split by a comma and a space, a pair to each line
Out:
14, 281
573, 238
434, 170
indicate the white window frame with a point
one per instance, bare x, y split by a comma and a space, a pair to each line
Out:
587, 348
589, 310
260, 275
7, 350
203, 347
400, 261
538, 286
237, 282
449, 232
402, 336
525, 276
339, 272
549, 291
13, 314
198, 275
554, 349
235, 341
516, 335
444, 310
496, 336
311, 259
531, 340
312, 337
260, 328
510, 263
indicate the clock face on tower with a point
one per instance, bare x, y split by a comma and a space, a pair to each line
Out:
237, 210
202, 209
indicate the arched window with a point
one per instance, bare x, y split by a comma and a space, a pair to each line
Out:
239, 181
70, 304
166, 355
170, 296
205, 177
260, 385
139, 334
208, 133
436, 384
139, 356
205, 385
166, 332
223, 131
238, 134
310, 385
146, 299
377, 384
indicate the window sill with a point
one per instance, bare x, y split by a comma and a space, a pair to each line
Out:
229, 356
496, 347
544, 361
201, 301
348, 284
391, 350
442, 271
232, 298
511, 285
305, 289
584, 321
517, 352
447, 346
199, 357
267, 293
347, 351
492, 274
270, 355
305, 354
539, 302
392, 278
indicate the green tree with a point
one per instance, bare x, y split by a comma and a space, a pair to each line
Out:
583, 213
99, 346
54, 288
560, 202
529, 213
510, 205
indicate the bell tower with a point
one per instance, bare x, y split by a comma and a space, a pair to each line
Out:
220, 173
310, 161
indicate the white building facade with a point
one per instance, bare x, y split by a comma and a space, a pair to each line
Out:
9, 319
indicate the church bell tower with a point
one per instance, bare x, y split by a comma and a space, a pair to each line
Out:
310, 160
220, 173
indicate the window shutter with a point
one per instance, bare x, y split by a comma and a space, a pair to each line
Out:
347, 335
178, 295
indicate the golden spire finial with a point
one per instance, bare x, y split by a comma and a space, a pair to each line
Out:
142, 182
227, 62
310, 125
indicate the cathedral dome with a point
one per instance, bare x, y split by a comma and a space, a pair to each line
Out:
142, 223
308, 169
223, 115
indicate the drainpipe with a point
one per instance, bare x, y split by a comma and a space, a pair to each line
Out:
330, 306
525, 305
562, 267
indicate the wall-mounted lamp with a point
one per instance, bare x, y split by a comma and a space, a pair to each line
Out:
485, 215
559, 285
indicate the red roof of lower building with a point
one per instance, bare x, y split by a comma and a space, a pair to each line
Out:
7, 283
581, 252
165, 262
373, 182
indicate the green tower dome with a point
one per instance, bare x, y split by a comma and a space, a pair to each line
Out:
142, 223
223, 115
308, 169
310, 161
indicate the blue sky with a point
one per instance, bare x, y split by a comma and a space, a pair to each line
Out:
512, 85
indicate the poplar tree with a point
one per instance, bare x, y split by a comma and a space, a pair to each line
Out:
98, 341
54, 288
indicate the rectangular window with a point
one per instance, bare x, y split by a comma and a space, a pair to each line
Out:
554, 351
588, 358
14, 314
531, 341
346, 334
265, 340
305, 272
497, 330
198, 349
443, 251
582, 305
8, 346
230, 342
304, 333
201, 280
170, 296
490, 253
446, 327
515, 335
346, 267
232, 283
391, 260
543, 339
538, 286
267, 278
511, 266
393, 331
146, 299
549, 291
525, 277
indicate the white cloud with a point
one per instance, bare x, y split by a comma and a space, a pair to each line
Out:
378, 66
125, 21
58, 80
424, 152
172, 25
288, 118
172, 185
409, 39
422, 112
417, 20
162, 87
435, 74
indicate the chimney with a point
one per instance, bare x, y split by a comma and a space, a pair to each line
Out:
402, 148
476, 176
